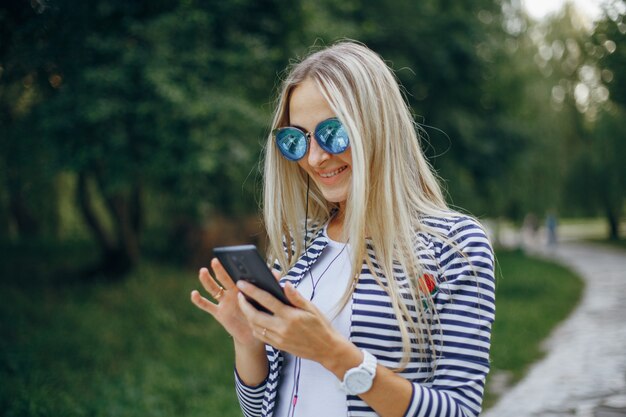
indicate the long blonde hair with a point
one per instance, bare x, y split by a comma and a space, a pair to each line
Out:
393, 185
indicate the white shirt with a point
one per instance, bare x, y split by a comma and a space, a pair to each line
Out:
318, 389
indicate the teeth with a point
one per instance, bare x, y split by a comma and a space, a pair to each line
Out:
335, 172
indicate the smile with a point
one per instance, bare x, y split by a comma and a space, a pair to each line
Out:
335, 172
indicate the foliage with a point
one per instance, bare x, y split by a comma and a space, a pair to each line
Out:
598, 175
572, 160
607, 141
589, 80
148, 98
150, 117
608, 40
28, 201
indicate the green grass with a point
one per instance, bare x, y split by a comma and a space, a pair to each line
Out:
131, 348
139, 347
532, 296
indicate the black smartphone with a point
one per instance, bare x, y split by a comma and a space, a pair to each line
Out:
245, 262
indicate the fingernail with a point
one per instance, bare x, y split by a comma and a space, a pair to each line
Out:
241, 284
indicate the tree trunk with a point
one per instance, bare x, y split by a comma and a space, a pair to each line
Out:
27, 224
93, 223
613, 219
128, 237
119, 248
124, 209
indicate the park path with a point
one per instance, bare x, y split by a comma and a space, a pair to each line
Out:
584, 371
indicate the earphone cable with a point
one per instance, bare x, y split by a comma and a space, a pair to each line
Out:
298, 361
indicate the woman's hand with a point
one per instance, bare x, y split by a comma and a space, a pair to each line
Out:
301, 330
226, 309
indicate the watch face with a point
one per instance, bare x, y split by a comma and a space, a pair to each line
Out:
359, 381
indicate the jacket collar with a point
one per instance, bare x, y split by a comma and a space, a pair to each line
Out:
308, 258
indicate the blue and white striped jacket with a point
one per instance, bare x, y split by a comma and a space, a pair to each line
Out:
450, 385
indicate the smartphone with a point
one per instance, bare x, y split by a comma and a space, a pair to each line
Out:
245, 262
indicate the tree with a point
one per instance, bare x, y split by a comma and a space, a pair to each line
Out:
26, 162
606, 147
149, 105
590, 81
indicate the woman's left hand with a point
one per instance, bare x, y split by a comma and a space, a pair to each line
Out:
301, 330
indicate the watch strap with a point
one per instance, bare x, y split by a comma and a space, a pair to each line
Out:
369, 362
368, 365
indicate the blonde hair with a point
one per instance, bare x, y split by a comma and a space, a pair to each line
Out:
393, 186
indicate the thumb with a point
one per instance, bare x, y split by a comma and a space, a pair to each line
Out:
295, 297
277, 274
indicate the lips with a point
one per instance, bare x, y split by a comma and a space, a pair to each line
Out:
333, 173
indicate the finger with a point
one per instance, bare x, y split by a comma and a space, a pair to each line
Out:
262, 297
221, 274
208, 282
257, 319
202, 303
296, 298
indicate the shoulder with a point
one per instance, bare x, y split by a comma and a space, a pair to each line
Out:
453, 226
455, 235
313, 232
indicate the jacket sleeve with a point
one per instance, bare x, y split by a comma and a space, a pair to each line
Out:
462, 328
250, 397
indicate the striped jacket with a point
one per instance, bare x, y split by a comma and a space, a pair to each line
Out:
450, 385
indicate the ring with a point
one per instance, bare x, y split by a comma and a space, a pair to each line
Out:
263, 332
219, 294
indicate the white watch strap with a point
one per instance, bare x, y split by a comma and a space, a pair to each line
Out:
369, 362
367, 366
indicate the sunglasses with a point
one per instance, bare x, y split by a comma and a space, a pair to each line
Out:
293, 142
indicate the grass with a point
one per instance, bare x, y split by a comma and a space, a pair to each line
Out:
139, 347
131, 348
532, 296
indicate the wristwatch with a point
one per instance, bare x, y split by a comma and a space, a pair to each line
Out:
358, 380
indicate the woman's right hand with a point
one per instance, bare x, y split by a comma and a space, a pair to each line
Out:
226, 308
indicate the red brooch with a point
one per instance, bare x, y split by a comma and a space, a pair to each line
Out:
427, 285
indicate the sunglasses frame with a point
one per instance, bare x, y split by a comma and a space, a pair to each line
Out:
307, 137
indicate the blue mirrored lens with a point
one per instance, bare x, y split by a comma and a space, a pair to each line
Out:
291, 142
332, 136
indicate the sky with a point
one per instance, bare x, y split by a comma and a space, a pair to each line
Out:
539, 9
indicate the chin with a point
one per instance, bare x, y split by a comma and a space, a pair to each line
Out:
335, 196
336, 193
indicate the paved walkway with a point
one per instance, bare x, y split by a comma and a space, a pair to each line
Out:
584, 372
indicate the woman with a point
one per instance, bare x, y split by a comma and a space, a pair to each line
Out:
392, 292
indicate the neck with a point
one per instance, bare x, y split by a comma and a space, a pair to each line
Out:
335, 227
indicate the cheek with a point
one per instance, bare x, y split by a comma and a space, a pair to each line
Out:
346, 157
304, 164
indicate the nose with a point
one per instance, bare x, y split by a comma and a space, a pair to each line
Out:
316, 156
